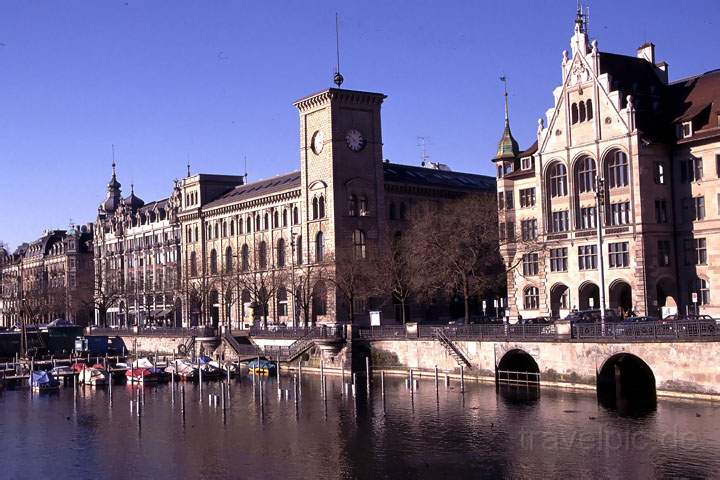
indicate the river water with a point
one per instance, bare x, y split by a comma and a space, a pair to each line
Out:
481, 433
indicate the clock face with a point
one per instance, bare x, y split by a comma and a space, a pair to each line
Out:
355, 140
318, 142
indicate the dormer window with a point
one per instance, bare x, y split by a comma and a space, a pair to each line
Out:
684, 130
526, 163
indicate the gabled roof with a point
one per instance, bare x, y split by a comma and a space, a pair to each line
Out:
698, 99
396, 173
258, 189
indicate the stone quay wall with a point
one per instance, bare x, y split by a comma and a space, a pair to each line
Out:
683, 369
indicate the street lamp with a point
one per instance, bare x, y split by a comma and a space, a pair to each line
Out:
599, 203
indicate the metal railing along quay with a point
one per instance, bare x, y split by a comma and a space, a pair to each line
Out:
320, 331
639, 332
155, 331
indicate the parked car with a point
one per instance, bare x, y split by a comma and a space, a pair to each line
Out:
592, 316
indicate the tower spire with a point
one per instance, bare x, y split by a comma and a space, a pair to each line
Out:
338, 79
508, 147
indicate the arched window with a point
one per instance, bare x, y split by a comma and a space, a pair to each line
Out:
403, 210
585, 175
248, 225
315, 208
702, 288
531, 298
228, 259
352, 205
282, 301
319, 247
245, 258
589, 108
276, 219
193, 264
281, 253
617, 169
197, 234
558, 180
224, 228
363, 206
321, 206
213, 261
391, 211
285, 218
359, 244
296, 216
258, 225
262, 255
266, 221
299, 249
232, 228
319, 297
217, 230
574, 113
209, 232
582, 111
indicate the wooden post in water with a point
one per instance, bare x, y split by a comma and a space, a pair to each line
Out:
322, 379
382, 383
367, 374
182, 402
200, 381
462, 379
412, 385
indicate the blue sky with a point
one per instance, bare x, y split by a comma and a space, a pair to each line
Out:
214, 82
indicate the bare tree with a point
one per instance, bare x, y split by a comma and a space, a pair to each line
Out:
262, 286
351, 277
457, 247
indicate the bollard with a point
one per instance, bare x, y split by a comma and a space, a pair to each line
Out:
436, 377
382, 383
462, 379
367, 374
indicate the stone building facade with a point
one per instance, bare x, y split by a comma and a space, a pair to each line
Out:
656, 144
137, 252
48, 279
266, 250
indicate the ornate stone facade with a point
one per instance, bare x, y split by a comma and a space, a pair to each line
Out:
656, 145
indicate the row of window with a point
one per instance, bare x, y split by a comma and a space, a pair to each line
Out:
256, 222
531, 294
581, 111
616, 175
618, 257
260, 257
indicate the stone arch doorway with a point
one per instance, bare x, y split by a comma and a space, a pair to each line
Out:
621, 296
627, 384
588, 294
559, 299
517, 367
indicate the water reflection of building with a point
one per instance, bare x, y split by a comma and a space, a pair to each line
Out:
656, 145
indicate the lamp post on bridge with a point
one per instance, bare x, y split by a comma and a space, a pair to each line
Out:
599, 203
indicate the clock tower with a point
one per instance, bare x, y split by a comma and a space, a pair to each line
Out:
342, 163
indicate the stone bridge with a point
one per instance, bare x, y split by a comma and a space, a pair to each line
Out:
682, 367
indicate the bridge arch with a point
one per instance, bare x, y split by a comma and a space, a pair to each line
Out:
518, 365
626, 383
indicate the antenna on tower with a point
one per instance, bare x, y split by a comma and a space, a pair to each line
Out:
112, 145
503, 79
246, 173
424, 157
337, 78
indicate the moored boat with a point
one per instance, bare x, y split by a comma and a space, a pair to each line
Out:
93, 376
143, 371
42, 381
262, 367
184, 369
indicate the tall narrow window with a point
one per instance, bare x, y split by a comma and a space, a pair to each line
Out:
663, 253
363, 206
581, 108
315, 208
319, 247
531, 264
193, 264
281, 253
574, 113
213, 262
531, 298
359, 244
585, 175
321, 206
262, 255
299, 250
296, 216
285, 217
352, 205
228, 259
619, 254
558, 180
617, 169
245, 258
589, 108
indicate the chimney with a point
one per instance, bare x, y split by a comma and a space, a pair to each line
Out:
662, 71
647, 52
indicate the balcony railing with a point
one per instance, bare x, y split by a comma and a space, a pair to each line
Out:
663, 330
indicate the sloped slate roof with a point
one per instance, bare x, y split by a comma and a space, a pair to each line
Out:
258, 189
697, 98
396, 173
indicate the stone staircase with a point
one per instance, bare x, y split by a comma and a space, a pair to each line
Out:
452, 349
243, 347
